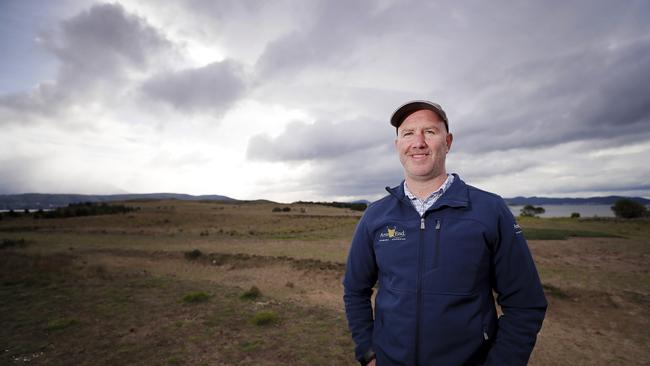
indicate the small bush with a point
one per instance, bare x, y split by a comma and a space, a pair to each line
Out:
7, 243
196, 297
575, 215
59, 324
556, 292
264, 318
193, 254
250, 346
531, 211
286, 209
276, 209
251, 294
86, 209
628, 209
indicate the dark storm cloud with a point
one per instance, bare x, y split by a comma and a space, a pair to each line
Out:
213, 87
327, 37
104, 39
594, 94
96, 50
535, 75
321, 140
357, 175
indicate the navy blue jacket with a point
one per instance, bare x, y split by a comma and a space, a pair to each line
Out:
436, 275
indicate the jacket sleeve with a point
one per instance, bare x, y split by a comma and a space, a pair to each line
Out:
519, 293
360, 277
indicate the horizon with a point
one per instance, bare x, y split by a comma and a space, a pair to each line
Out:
295, 201
291, 101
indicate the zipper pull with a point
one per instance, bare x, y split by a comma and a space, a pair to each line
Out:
485, 335
422, 222
438, 224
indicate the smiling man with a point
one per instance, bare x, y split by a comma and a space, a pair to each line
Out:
438, 249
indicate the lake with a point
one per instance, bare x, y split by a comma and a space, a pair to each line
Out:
566, 210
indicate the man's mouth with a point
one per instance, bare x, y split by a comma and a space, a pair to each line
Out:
419, 156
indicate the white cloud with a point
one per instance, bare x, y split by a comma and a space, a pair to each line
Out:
290, 100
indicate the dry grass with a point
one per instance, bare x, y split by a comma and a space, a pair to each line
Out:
86, 284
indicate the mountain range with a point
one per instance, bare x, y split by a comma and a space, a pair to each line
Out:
46, 200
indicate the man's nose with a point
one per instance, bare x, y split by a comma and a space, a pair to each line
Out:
419, 140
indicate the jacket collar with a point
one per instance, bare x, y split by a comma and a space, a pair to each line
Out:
457, 195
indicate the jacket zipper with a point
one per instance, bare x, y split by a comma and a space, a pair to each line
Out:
419, 283
436, 254
419, 289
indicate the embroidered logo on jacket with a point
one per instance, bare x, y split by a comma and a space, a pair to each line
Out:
392, 233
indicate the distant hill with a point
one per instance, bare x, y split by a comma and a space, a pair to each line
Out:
540, 201
46, 200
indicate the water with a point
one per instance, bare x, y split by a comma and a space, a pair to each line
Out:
566, 210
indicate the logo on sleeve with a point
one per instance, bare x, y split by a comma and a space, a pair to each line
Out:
518, 229
392, 233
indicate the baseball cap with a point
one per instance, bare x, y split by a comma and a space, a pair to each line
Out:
415, 105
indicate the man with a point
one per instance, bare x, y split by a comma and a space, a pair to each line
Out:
437, 249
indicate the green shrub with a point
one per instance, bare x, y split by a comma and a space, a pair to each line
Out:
85, 209
59, 324
556, 292
251, 294
628, 209
196, 297
264, 318
7, 243
193, 254
531, 211
575, 215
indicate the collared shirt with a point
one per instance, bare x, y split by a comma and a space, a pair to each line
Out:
423, 205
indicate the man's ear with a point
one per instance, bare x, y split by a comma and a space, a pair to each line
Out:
449, 139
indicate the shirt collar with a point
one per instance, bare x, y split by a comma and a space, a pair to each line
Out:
445, 185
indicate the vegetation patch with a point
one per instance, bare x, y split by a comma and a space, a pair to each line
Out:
60, 324
355, 206
251, 294
9, 243
84, 209
250, 346
559, 234
193, 254
629, 209
281, 209
152, 327
196, 297
555, 292
264, 318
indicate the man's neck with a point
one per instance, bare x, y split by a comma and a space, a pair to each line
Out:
423, 188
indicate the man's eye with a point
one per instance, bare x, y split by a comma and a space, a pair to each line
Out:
407, 134
430, 132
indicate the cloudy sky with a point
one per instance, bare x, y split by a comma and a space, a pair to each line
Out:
290, 100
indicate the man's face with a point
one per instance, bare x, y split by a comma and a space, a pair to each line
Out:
422, 144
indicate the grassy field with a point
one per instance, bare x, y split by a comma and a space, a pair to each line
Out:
205, 283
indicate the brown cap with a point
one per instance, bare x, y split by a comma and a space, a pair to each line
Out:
415, 105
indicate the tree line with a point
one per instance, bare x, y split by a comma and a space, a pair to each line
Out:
74, 210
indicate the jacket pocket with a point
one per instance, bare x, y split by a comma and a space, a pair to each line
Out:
460, 259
